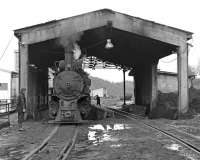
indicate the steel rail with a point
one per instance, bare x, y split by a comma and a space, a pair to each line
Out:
166, 133
64, 153
44, 143
137, 116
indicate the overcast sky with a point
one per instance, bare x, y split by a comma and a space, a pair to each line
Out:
14, 14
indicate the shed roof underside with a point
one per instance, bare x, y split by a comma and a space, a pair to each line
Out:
131, 45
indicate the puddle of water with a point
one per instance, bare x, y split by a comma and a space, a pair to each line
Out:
97, 127
121, 126
183, 152
100, 133
97, 138
115, 145
174, 147
110, 127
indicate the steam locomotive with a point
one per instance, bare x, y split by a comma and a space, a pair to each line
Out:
71, 88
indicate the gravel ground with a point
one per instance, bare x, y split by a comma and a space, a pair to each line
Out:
56, 144
15, 145
191, 126
123, 139
106, 139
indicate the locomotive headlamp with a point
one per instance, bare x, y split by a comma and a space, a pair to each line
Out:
109, 44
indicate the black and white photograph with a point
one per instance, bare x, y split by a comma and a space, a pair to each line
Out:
100, 80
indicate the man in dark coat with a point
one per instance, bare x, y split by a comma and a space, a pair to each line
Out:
21, 107
98, 100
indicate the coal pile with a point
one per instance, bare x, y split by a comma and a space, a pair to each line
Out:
166, 106
194, 102
136, 109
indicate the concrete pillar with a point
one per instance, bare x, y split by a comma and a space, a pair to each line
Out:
183, 100
154, 86
143, 84
23, 70
24, 66
134, 90
32, 87
138, 87
124, 86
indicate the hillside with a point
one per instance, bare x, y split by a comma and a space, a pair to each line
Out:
114, 89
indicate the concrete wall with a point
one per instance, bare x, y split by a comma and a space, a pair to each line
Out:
38, 91
35, 80
169, 83
196, 83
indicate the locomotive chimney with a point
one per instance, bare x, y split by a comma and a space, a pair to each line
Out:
68, 58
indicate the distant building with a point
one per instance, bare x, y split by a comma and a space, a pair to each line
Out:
8, 84
168, 81
101, 92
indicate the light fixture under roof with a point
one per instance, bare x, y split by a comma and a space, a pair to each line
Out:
109, 44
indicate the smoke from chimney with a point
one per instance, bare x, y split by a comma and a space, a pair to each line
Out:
76, 51
67, 40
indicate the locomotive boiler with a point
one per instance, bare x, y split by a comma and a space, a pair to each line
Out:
71, 85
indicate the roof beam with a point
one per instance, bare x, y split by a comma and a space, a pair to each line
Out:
100, 18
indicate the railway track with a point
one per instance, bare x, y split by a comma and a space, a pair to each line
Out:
57, 145
184, 138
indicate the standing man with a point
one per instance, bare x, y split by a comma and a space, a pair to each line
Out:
98, 100
21, 108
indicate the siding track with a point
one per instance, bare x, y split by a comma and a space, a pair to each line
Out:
57, 145
184, 138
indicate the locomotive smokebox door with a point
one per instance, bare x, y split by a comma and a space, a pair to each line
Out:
68, 86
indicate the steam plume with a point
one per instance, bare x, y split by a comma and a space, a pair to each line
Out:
76, 51
67, 40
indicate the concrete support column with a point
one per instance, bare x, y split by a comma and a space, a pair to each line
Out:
124, 85
134, 91
23, 70
143, 84
182, 79
24, 66
154, 86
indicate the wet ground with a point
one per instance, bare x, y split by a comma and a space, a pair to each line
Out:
14, 145
55, 145
113, 139
190, 126
107, 139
